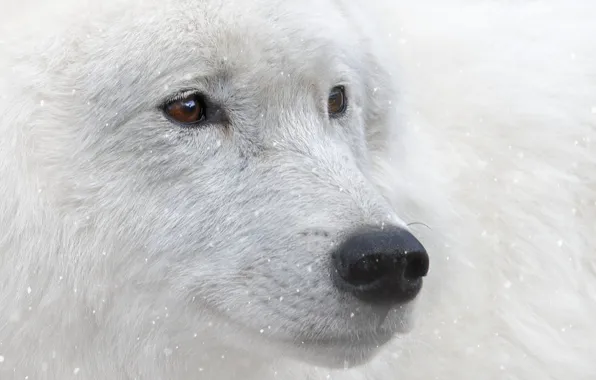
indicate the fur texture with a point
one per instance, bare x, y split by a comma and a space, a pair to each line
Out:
131, 248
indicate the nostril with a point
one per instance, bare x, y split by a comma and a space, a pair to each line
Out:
374, 267
416, 265
370, 268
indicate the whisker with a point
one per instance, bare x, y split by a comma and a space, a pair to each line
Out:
419, 223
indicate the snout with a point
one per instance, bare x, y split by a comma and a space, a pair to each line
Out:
380, 266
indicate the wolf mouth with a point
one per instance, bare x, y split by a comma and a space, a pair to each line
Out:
364, 340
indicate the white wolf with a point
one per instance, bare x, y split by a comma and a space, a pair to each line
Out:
209, 189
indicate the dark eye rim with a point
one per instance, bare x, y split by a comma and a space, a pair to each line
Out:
344, 108
201, 99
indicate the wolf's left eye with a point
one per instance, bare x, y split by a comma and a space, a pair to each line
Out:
337, 102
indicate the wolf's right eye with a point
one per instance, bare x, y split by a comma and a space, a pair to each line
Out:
337, 102
187, 110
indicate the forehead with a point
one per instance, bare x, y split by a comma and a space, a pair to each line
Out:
206, 36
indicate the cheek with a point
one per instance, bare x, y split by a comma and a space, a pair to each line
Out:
202, 213
357, 140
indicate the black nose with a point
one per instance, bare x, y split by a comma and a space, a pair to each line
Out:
381, 265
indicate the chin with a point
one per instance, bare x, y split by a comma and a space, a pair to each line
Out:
342, 353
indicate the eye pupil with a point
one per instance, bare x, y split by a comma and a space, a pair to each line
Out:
336, 104
188, 110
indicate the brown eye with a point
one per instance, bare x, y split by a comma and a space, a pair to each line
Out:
187, 110
336, 104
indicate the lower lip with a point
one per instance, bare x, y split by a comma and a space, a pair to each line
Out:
342, 352
368, 342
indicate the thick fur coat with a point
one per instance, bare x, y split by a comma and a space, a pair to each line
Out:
133, 248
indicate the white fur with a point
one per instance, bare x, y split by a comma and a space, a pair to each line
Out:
127, 249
